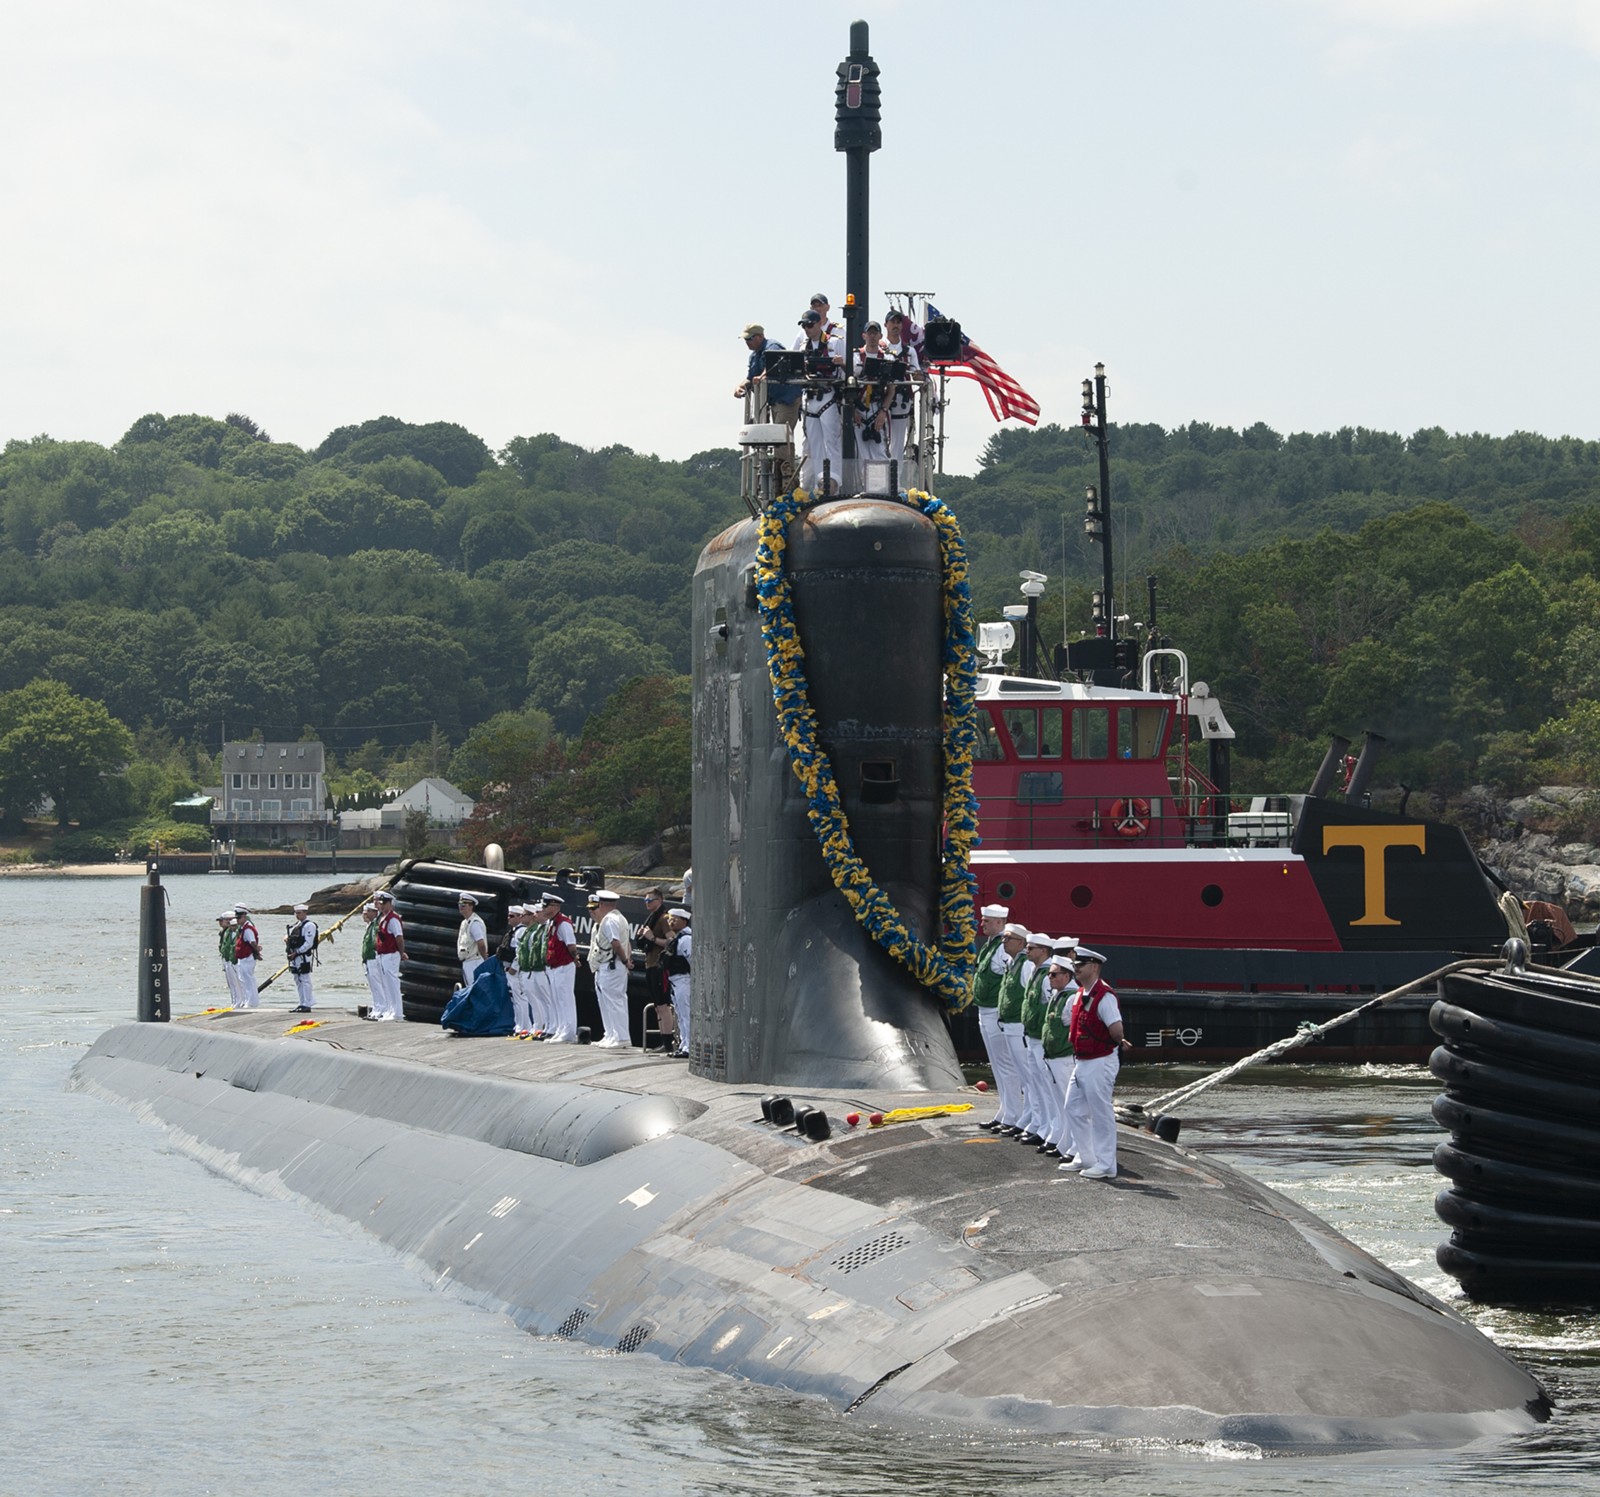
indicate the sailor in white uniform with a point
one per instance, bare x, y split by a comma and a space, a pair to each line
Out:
225, 939
560, 972
611, 960
824, 416
247, 948
301, 946
472, 939
678, 959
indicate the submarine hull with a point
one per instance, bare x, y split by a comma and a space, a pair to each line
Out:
924, 1271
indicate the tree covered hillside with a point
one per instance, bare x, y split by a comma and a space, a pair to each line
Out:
401, 586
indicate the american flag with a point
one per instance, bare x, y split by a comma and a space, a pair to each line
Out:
1005, 396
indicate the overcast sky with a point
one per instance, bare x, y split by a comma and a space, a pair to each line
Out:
530, 217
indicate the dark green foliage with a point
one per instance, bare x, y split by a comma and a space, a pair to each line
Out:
402, 590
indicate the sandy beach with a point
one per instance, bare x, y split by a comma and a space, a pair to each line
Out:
72, 870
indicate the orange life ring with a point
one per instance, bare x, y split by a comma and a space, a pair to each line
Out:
1131, 818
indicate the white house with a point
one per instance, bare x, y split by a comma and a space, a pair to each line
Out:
445, 805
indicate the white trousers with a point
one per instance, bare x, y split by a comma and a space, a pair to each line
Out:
245, 970
468, 968
1090, 1114
1006, 1084
1036, 1088
824, 440
388, 965
611, 988
302, 988
562, 1003
1008, 1072
1060, 1070
521, 1012
232, 976
375, 988
680, 1008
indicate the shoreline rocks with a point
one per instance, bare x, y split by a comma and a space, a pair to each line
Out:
1534, 842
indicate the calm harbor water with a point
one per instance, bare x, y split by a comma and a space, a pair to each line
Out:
163, 1330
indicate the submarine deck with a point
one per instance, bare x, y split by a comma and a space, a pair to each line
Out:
923, 1270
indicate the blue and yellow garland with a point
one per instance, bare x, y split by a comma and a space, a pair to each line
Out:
947, 967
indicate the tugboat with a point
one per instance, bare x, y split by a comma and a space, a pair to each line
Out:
813, 1203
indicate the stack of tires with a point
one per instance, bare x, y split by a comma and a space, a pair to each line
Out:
1520, 1064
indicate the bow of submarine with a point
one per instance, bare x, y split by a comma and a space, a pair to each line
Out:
924, 1271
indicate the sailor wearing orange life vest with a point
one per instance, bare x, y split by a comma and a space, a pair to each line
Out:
1097, 1042
247, 947
560, 971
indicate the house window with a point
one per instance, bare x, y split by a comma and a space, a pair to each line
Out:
242, 808
299, 808
255, 782
272, 782
305, 782
272, 810
238, 782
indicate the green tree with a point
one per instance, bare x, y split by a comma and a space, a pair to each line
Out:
55, 744
572, 671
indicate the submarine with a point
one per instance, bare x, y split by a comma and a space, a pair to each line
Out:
812, 1203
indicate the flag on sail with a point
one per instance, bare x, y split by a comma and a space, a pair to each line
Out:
1005, 396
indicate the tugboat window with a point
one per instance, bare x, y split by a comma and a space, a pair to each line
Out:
1091, 733
1141, 732
1023, 727
988, 739
1049, 732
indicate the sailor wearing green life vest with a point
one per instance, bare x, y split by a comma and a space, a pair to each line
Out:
1037, 1116
510, 946
987, 973
369, 957
230, 972
1008, 1031
1055, 1042
532, 940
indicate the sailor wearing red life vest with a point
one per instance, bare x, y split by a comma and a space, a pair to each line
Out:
560, 971
390, 946
1097, 1042
247, 947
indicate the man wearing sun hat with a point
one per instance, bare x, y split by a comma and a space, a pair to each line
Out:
1097, 1042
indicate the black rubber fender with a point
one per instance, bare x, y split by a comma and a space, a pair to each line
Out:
1538, 1188
1523, 1232
1534, 1000
1510, 1136
1480, 1037
1515, 1088
1496, 1278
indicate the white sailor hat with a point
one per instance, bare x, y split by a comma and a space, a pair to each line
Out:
1013, 929
1062, 963
682, 914
1039, 938
302, 909
385, 896
226, 915
241, 909
516, 909
1066, 945
604, 894
466, 897
370, 905
1085, 955
995, 912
